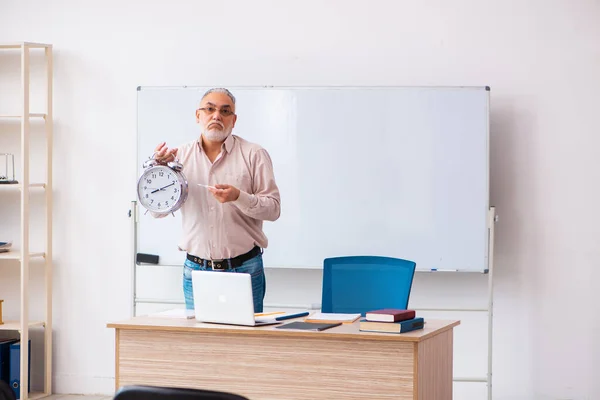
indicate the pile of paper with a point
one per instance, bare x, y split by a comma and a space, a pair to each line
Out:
5, 246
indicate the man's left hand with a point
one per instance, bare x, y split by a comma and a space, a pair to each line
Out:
225, 193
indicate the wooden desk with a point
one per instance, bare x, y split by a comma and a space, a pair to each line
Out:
272, 364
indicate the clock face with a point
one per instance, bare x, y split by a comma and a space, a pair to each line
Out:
159, 189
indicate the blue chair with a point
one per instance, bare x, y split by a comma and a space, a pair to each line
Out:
364, 283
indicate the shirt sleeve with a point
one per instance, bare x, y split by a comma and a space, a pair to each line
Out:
264, 203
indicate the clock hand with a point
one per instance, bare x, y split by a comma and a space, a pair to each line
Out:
154, 191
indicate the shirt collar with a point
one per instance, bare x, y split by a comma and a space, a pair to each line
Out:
228, 143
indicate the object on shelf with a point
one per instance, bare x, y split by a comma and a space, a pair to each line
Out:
1, 321
5, 365
5, 246
6, 175
14, 371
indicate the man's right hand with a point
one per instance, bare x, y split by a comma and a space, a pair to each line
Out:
163, 154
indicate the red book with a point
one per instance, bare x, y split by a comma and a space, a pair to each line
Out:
390, 315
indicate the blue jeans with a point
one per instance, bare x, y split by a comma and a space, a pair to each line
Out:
253, 266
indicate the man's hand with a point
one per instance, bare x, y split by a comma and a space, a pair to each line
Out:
163, 154
225, 193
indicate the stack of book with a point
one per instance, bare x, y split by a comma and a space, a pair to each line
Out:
5, 247
391, 320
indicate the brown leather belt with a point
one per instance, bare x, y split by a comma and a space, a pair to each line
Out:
227, 263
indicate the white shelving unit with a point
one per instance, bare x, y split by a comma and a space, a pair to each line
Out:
21, 256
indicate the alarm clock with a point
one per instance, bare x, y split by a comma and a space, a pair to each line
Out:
162, 189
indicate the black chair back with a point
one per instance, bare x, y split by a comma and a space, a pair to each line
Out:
6, 392
142, 392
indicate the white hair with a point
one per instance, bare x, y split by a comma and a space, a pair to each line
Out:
219, 90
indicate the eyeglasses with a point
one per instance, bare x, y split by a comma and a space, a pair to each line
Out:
226, 112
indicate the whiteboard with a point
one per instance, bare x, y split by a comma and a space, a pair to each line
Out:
388, 171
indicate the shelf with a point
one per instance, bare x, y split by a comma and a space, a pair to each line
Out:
21, 44
16, 325
16, 255
21, 116
18, 186
31, 115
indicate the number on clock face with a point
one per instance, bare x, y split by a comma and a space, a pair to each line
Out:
159, 189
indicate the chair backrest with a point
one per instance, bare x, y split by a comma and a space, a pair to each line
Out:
6, 392
364, 283
143, 392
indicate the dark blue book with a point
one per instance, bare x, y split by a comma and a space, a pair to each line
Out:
392, 327
15, 368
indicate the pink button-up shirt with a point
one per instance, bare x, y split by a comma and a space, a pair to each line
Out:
214, 230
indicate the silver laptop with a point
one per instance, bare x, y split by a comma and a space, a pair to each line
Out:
225, 298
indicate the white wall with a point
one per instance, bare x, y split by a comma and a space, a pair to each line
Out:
541, 59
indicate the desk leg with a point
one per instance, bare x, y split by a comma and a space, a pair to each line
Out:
117, 346
433, 367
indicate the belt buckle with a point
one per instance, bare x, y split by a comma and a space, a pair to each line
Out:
217, 265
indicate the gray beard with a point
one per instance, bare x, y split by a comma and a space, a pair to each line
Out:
215, 135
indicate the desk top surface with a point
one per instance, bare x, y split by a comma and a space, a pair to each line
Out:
345, 331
